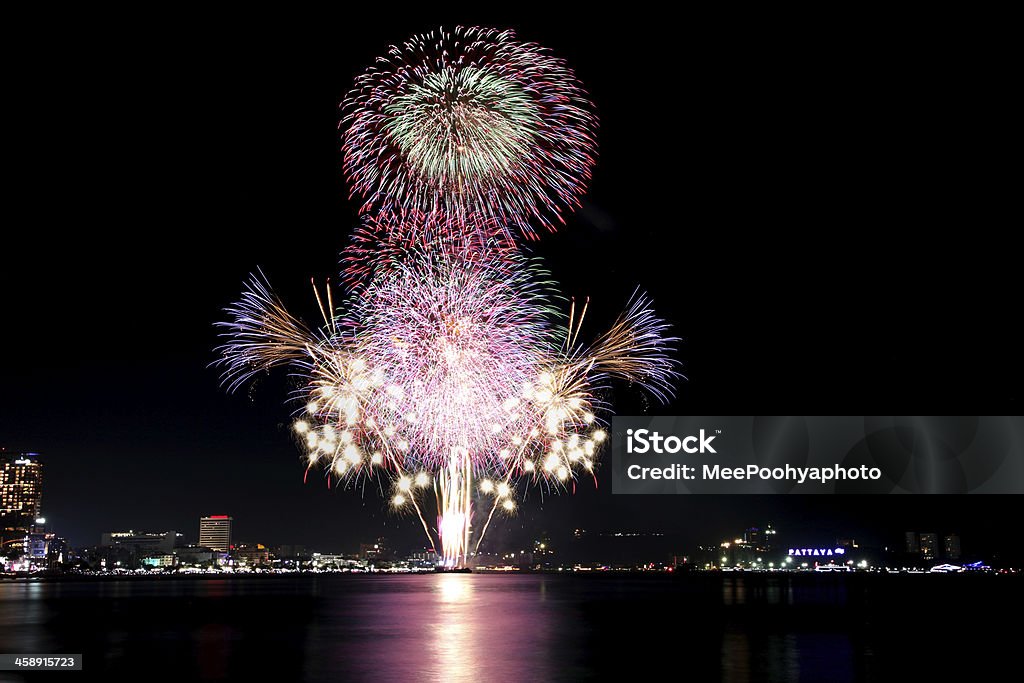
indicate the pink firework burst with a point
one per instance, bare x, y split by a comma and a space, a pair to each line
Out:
453, 376
455, 340
470, 122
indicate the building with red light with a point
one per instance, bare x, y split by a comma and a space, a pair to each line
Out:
215, 532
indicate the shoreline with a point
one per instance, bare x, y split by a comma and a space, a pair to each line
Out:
652, 575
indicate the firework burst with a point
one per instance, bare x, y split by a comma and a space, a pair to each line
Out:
470, 122
381, 244
447, 377
456, 339
450, 377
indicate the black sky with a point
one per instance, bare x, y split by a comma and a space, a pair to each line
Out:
821, 214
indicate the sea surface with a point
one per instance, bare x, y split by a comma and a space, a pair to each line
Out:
521, 627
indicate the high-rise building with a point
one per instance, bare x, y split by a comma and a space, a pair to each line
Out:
913, 545
760, 539
929, 545
951, 546
21, 497
215, 532
21, 489
56, 549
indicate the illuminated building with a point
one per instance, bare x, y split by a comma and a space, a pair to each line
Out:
334, 561
374, 551
138, 540
21, 497
912, 544
426, 557
929, 545
761, 540
252, 555
56, 549
738, 553
926, 545
21, 489
194, 554
215, 532
159, 560
750, 550
35, 546
951, 546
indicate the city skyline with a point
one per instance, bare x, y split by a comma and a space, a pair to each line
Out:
757, 548
685, 536
215, 534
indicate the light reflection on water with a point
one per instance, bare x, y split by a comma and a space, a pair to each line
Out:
451, 627
470, 627
459, 633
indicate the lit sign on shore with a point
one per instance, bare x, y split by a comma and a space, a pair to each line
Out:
816, 552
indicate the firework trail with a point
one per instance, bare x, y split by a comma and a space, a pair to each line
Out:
264, 335
451, 377
470, 122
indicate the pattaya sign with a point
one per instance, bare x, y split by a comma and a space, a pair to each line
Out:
816, 552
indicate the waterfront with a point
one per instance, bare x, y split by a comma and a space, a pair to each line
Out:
468, 627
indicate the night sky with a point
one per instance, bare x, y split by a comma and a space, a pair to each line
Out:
817, 216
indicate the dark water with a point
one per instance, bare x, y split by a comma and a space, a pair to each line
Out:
460, 627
